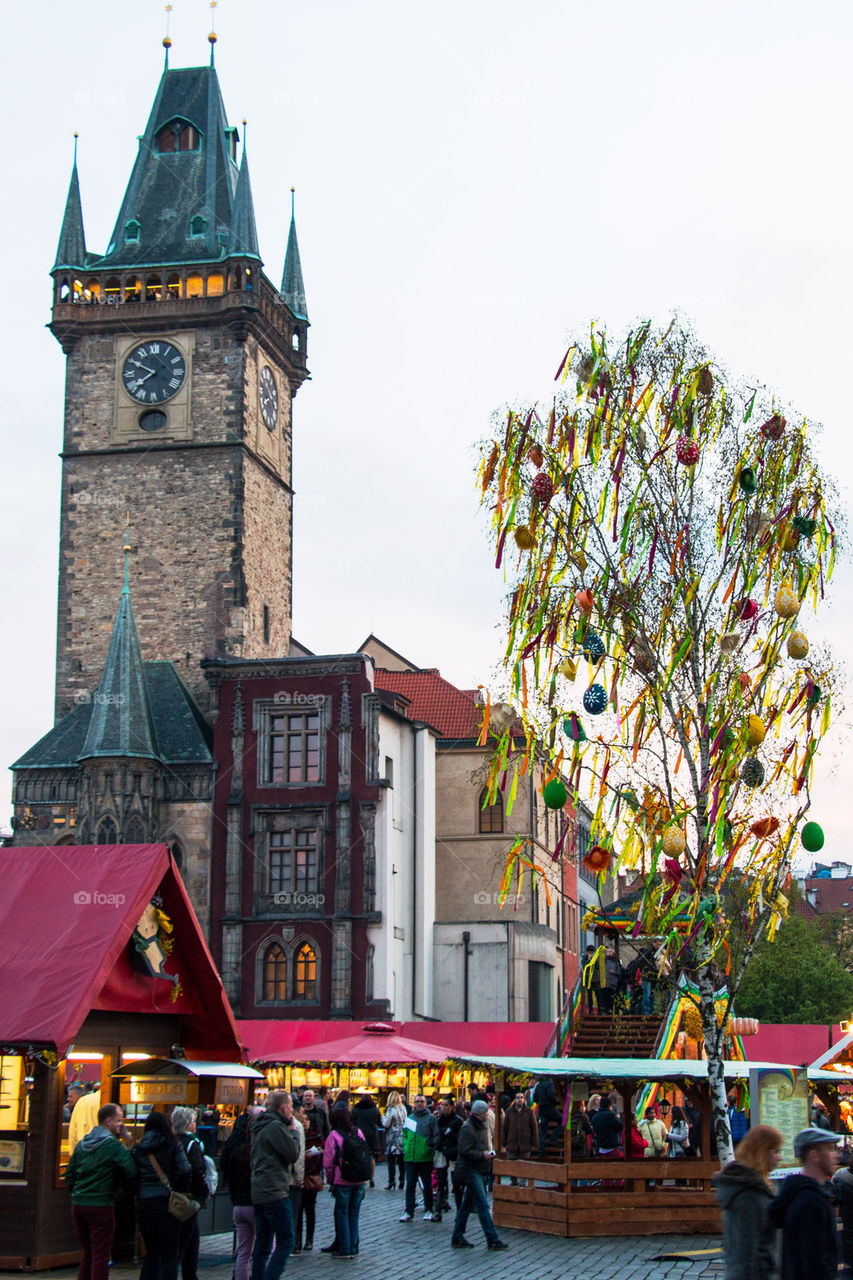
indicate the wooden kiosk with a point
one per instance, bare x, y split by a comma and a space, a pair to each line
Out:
567, 1196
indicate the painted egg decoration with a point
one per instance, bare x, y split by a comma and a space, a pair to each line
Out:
584, 600
687, 451
814, 696
524, 539
798, 645
673, 841
744, 681
573, 728
705, 382
595, 699
747, 481
597, 859
501, 717
747, 609
785, 602
592, 646
555, 794
568, 668
535, 455
812, 837
764, 827
729, 641
755, 731
790, 539
774, 428
752, 773
804, 526
543, 489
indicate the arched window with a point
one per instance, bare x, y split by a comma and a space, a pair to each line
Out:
134, 832
177, 853
132, 289
107, 832
153, 289
305, 974
131, 232
275, 973
491, 815
112, 290
198, 225
177, 135
173, 285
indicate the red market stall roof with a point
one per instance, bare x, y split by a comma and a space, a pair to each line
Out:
372, 1047
283, 1040
66, 919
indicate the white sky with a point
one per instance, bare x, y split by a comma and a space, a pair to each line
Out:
474, 183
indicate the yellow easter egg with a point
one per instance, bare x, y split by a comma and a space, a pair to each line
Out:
673, 841
755, 731
798, 645
524, 539
785, 601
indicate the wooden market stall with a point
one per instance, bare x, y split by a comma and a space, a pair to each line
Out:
104, 965
567, 1196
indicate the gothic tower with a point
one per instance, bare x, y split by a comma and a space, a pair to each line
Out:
182, 364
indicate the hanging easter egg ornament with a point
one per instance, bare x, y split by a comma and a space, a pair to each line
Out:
543, 489
568, 668
524, 539
597, 859
747, 481
814, 695
764, 827
755, 731
752, 772
592, 646
673, 841
501, 717
584, 600
812, 837
536, 455
785, 601
774, 428
555, 794
729, 641
790, 539
798, 645
747, 610
573, 728
744, 681
705, 382
804, 526
595, 699
687, 451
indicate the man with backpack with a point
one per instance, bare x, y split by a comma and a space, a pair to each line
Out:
420, 1140
275, 1150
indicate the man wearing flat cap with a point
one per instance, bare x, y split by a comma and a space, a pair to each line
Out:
804, 1209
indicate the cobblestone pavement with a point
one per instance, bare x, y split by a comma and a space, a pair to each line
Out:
421, 1251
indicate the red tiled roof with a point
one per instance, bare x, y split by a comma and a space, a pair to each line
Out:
830, 895
453, 712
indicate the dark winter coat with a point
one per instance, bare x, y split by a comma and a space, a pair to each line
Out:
520, 1133
169, 1154
194, 1152
318, 1120
842, 1185
275, 1150
448, 1135
803, 1209
367, 1117
97, 1167
608, 1129
749, 1240
235, 1163
472, 1146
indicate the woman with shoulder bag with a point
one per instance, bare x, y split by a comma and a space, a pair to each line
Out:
654, 1132
312, 1185
184, 1129
677, 1138
393, 1121
163, 1168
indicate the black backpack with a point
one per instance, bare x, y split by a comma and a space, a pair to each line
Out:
356, 1159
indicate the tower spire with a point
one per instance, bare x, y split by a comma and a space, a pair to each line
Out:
71, 250
292, 285
243, 236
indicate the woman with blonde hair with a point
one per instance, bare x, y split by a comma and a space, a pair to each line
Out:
744, 1193
393, 1121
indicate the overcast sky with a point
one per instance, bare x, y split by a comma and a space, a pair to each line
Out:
475, 182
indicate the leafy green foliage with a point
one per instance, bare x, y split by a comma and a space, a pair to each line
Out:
795, 978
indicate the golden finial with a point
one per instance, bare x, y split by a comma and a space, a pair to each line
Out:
212, 37
167, 42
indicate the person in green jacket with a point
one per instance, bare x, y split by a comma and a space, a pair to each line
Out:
420, 1139
93, 1177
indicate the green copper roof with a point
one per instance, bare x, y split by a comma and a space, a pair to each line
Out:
292, 286
121, 723
179, 729
168, 190
243, 240
71, 250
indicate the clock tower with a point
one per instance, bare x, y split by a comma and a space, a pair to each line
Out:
182, 363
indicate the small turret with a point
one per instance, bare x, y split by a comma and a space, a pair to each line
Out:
292, 285
243, 236
71, 250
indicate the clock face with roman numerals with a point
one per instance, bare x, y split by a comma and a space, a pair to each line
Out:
153, 372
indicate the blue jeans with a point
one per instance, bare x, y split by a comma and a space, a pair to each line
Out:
648, 1004
347, 1208
474, 1198
273, 1220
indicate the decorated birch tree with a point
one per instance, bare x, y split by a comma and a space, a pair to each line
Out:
667, 536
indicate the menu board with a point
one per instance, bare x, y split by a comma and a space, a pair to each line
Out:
780, 1097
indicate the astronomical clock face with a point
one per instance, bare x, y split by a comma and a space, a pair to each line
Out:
153, 372
268, 394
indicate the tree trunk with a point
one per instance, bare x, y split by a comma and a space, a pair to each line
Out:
713, 1046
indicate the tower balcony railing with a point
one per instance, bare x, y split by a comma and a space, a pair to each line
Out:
187, 292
